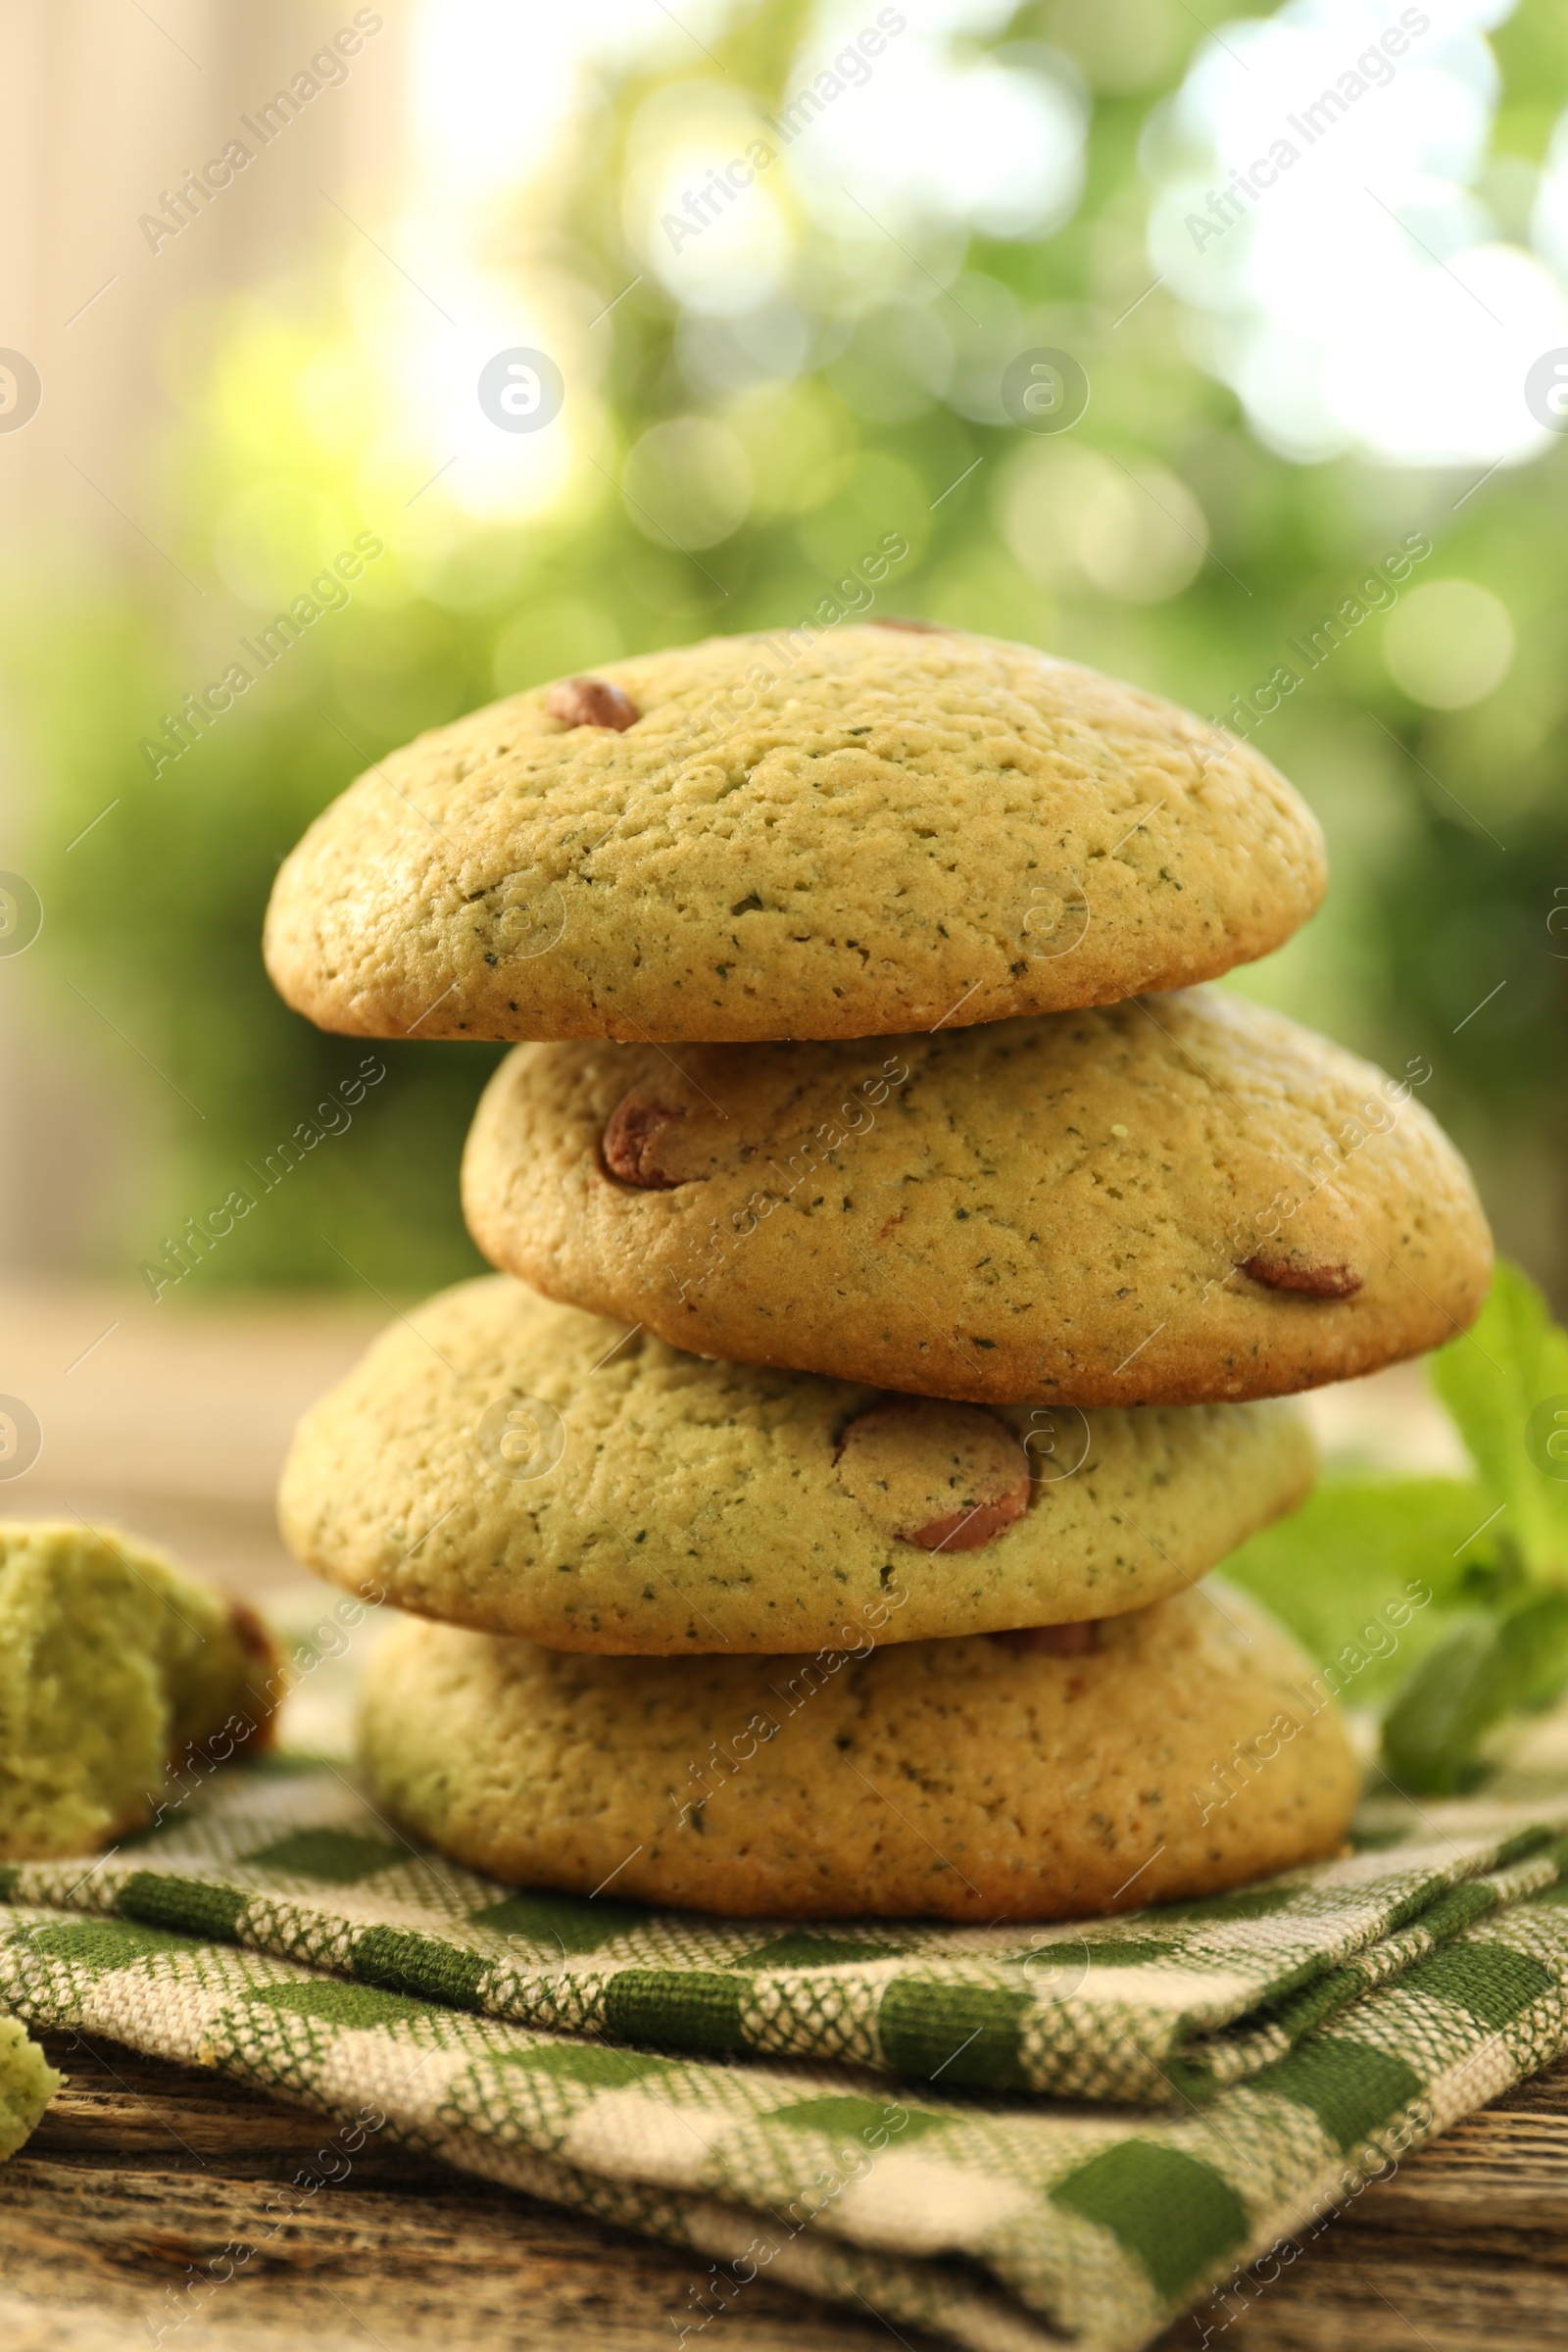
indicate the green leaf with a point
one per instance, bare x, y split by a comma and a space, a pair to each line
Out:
1357, 1549
1505, 1382
1485, 1670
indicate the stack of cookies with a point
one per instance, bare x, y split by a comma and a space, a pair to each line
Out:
913, 1256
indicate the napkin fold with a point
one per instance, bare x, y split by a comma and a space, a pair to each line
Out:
853, 2109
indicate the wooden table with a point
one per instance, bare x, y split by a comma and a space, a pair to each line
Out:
173, 1423
141, 2170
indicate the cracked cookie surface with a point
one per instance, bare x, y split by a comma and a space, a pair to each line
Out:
1170, 1200
781, 836
508, 1464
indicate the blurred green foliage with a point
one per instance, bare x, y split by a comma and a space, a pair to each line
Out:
1451, 1593
160, 907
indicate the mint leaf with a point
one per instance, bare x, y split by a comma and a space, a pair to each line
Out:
1355, 1550
1452, 1591
1505, 1382
1485, 1670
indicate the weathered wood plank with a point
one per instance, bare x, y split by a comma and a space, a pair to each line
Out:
142, 2174
141, 2171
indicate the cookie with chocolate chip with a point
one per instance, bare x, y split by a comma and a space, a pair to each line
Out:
1187, 1749
817, 834
1174, 1200
517, 1466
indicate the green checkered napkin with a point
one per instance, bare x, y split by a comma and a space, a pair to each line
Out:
1166, 2007
1297, 2036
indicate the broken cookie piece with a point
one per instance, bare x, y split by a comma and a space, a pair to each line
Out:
114, 1668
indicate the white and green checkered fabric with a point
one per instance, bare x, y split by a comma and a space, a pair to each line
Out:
728, 2086
1162, 2007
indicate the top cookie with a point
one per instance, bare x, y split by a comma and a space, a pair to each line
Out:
844, 834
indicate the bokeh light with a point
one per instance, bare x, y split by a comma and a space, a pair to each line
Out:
1449, 643
782, 255
1318, 175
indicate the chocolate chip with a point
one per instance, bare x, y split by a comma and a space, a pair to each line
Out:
916, 629
910, 1456
591, 703
1052, 1640
1310, 1282
634, 1132
970, 1528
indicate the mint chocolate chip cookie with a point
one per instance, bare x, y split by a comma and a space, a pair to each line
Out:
1166, 1202
965, 1780
502, 1462
840, 834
